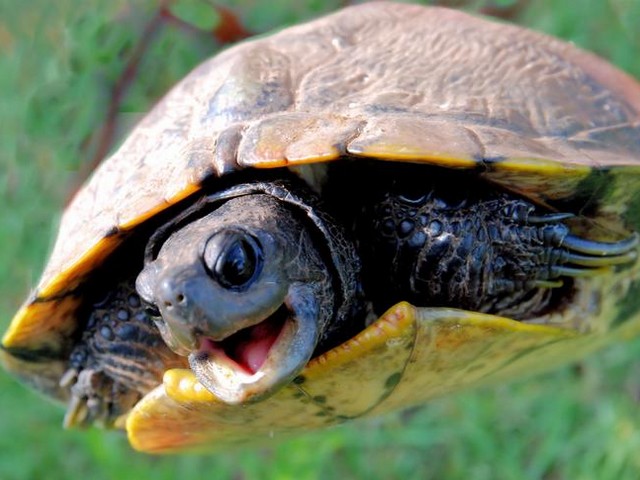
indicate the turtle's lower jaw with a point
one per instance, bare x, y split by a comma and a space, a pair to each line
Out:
256, 361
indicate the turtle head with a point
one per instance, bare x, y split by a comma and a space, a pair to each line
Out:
245, 293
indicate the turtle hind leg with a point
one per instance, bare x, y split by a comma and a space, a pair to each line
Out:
119, 357
465, 245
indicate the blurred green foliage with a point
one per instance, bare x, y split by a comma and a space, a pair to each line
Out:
59, 63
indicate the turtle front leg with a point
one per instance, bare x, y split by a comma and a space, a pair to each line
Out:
119, 358
477, 250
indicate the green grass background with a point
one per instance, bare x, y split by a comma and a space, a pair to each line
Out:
58, 62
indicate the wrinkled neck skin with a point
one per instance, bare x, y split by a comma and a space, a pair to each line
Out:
243, 341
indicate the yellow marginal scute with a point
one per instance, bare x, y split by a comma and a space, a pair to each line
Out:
69, 279
536, 177
542, 167
414, 138
51, 318
403, 153
183, 193
42, 325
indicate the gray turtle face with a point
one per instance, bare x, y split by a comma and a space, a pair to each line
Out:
244, 293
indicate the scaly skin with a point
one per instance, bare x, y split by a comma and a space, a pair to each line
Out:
445, 241
119, 358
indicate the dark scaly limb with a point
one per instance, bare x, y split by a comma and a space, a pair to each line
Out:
457, 243
119, 358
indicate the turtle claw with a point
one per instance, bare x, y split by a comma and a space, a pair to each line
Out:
562, 271
572, 256
548, 283
549, 218
596, 261
77, 413
578, 257
86, 387
601, 249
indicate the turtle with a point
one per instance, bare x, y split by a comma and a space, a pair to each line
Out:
344, 218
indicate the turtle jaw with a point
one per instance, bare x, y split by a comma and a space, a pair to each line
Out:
255, 362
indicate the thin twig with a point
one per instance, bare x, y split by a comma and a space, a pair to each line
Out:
228, 30
119, 90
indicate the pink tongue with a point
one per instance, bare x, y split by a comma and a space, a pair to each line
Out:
252, 350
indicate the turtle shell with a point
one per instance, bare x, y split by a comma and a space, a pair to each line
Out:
382, 81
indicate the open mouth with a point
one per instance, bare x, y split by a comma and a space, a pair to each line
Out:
248, 349
254, 362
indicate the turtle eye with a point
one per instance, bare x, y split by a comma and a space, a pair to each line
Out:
233, 259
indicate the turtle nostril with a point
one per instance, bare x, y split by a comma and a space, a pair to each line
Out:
171, 294
179, 299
